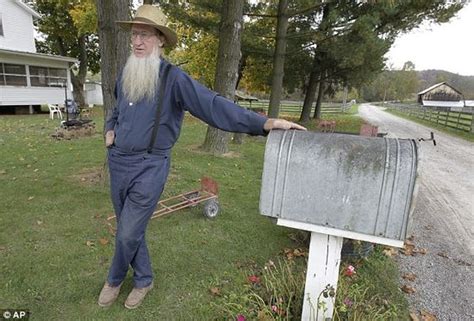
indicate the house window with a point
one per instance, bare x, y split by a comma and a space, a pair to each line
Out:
1, 26
2, 75
13, 75
47, 77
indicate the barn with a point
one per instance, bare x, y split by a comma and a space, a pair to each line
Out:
441, 95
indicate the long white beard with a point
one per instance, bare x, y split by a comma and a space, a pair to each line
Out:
140, 76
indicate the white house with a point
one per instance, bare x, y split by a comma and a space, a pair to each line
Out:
27, 78
93, 92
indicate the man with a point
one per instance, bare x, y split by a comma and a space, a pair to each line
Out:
138, 163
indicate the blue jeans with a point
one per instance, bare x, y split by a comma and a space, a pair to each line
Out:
136, 181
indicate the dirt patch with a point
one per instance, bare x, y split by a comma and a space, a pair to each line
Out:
74, 132
90, 176
197, 149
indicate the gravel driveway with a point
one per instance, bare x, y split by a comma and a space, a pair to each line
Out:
443, 221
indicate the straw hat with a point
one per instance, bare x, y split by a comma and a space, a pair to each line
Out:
152, 16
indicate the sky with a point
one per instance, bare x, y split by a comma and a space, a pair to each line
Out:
449, 46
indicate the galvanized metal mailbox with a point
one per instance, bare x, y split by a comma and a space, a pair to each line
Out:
338, 185
351, 183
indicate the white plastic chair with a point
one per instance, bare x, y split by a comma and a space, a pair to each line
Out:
54, 109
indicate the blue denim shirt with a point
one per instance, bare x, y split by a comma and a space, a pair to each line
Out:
133, 122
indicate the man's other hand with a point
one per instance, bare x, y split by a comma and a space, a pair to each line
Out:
109, 138
274, 123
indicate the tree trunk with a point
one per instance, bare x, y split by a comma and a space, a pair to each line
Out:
238, 138
316, 72
78, 90
310, 91
317, 109
278, 60
79, 79
114, 46
227, 67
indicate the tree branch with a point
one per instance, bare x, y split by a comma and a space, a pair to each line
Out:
248, 14
296, 13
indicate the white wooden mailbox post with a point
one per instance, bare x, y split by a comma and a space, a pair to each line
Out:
337, 186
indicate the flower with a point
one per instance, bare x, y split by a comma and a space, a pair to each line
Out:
347, 302
277, 310
254, 279
349, 271
240, 317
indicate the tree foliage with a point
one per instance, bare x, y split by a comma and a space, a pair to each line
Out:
68, 36
405, 83
84, 15
197, 30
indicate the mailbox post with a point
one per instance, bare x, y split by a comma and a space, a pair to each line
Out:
337, 186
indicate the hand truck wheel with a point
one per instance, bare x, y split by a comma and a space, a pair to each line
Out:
211, 208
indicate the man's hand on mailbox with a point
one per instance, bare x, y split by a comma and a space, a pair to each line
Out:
274, 123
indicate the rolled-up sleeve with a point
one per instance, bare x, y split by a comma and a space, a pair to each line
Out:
214, 109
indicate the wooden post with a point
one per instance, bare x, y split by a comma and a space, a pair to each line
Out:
321, 277
472, 122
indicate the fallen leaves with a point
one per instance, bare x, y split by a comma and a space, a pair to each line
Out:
413, 316
390, 251
458, 261
408, 289
409, 248
215, 291
421, 251
409, 276
102, 241
292, 253
426, 316
462, 262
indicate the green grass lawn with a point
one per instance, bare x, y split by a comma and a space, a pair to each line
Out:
56, 245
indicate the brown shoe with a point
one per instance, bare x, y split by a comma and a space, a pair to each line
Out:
135, 298
108, 294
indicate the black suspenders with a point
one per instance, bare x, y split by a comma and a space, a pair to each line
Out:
162, 81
